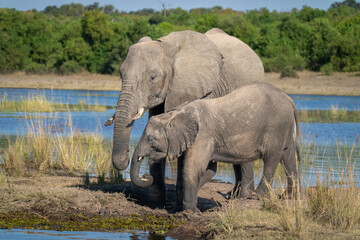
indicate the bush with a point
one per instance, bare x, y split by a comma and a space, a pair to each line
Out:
35, 68
70, 67
289, 71
327, 69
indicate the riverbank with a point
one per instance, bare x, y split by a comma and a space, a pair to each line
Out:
64, 203
307, 83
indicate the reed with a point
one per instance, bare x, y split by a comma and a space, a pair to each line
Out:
332, 205
334, 115
15, 160
290, 211
337, 203
29, 104
42, 151
41, 104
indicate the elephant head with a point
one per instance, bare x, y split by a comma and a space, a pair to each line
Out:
166, 135
182, 66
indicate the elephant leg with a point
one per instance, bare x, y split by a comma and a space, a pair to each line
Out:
244, 178
289, 162
209, 173
195, 166
157, 191
206, 177
179, 183
270, 163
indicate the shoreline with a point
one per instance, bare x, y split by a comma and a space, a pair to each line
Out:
308, 83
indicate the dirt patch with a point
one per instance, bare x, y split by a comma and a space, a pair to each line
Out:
307, 83
315, 83
84, 81
64, 198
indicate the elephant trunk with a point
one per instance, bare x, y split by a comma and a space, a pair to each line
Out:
124, 120
146, 180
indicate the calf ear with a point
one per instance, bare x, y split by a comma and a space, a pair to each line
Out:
181, 131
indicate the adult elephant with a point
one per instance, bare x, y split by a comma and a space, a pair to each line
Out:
162, 74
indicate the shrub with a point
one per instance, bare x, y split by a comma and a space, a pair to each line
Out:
70, 67
35, 68
289, 71
327, 69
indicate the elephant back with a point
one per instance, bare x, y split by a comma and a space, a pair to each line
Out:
241, 63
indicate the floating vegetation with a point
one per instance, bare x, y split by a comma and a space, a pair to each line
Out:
41, 104
329, 116
78, 222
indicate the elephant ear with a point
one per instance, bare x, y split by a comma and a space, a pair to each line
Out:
197, 65
181, 131
145, 39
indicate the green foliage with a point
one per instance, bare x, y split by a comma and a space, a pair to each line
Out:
94, 38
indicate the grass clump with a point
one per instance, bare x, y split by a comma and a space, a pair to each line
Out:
334, 115
41, 104
42, 151
336, 204
290, 212
30, 104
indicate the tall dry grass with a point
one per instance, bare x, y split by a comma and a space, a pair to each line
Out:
43, 151
337, 203
333, 203
40, 103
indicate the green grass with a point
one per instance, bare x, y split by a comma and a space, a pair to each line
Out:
329, 116
39, 103
77, 222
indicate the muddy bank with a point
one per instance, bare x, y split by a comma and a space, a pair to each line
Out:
64, 203
307, 83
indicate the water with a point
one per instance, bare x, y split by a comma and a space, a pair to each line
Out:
16, 234
316, 102
326, 136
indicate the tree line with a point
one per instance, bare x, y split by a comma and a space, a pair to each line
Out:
74, 38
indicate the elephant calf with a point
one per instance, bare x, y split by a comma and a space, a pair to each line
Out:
253, 122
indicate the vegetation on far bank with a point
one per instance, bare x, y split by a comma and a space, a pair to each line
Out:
39, 103
329, 116
73, 38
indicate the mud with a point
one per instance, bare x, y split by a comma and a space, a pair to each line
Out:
64, 198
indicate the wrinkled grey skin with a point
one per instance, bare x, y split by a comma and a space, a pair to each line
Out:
253, 122
182, 66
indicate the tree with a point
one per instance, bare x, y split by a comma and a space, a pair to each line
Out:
350, 3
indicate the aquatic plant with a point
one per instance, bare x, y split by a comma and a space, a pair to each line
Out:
334, 115
42, 151
40, 103
77, 222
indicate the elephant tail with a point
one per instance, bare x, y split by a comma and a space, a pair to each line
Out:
296, 116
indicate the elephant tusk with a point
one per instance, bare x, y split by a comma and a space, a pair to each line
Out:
140, 113
139, 159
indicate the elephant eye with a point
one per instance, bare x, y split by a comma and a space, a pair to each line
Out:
153, 77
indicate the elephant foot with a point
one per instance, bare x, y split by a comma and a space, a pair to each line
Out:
238, 192
156, 198
191, 209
